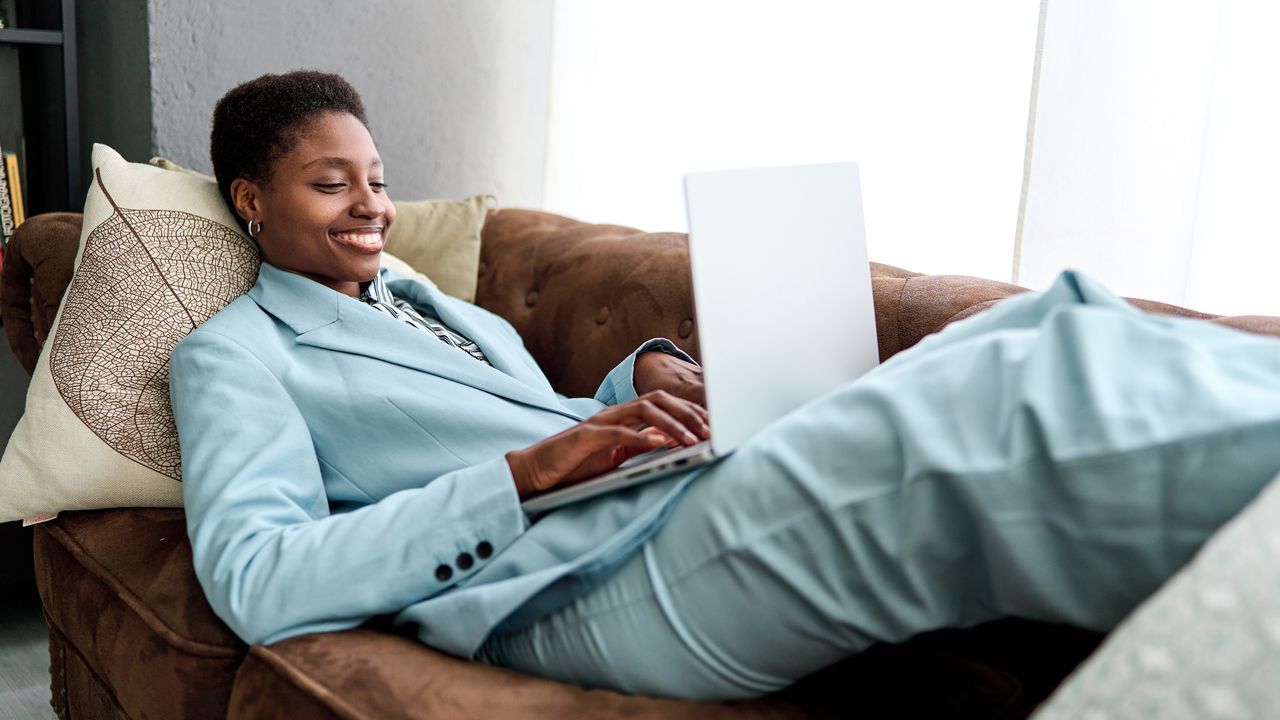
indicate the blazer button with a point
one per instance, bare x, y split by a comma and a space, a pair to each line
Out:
484, 550
464, 561
443, 573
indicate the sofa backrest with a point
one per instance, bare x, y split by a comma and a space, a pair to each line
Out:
581, 295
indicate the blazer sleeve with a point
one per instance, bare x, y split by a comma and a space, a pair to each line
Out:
270, 557
619, 385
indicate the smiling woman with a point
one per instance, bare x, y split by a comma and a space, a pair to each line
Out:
357, 444
319, 208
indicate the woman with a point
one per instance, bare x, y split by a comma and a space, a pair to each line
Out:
356, 444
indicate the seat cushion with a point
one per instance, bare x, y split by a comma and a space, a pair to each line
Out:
120, 592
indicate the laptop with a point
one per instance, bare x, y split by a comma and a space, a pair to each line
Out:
782, 292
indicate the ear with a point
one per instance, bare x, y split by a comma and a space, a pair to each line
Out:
247, 197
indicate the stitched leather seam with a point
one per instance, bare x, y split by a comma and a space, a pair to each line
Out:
134, 603
897, 327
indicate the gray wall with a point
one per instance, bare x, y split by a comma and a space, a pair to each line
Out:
456, 90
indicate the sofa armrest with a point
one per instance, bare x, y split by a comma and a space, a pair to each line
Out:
37, 267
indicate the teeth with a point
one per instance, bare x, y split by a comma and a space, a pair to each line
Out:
366, 239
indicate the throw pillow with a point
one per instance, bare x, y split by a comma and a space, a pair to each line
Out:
438, 238
159, 254
441, 239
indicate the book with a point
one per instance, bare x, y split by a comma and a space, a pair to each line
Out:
15, 190
6, 204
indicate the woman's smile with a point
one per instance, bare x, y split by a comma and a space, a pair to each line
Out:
365, 239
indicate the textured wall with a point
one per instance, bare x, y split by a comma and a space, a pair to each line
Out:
456, 90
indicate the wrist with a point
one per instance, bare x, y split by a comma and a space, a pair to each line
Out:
518, 462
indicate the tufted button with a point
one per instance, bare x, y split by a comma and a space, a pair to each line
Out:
686, 328
484, 550
464, 561
602, 315
484, 268
531, 298
443, 573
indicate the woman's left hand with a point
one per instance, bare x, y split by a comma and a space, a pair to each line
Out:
656, 370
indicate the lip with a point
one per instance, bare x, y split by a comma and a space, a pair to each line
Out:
369, 249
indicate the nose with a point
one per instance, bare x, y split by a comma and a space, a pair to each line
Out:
369, 204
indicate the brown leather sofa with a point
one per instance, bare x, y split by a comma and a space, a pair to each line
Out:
131, 635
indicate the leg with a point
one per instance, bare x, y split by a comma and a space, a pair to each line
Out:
1059, 470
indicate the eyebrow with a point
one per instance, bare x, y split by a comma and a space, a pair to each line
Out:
338, 162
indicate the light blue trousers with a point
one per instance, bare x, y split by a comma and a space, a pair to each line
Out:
1056, 458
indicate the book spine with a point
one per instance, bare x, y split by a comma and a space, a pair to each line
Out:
6, 209
15, 190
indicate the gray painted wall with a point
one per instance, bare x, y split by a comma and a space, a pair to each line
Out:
456, 90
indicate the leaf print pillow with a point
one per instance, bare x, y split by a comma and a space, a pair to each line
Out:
159, 254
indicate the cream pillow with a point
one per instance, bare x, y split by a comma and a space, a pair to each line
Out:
438, 238
441, 239
159, 254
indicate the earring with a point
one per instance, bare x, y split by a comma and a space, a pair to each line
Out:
254, 233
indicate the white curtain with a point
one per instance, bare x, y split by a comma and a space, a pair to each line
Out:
930, 97
1155, 148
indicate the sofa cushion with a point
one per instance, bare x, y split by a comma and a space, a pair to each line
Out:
120, 592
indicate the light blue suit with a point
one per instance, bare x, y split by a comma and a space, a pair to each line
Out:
335, 458
1056, 457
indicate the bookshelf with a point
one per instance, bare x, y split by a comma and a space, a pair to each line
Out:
38, 79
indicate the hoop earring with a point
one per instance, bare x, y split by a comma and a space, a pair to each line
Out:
254, 233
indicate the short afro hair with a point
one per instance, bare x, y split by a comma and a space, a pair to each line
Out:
257, 122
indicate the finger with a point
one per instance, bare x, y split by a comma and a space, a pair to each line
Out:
689, 414
621, 444
667, 440
612, 437
683, 421
668, 414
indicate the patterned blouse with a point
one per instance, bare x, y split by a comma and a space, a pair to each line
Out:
379, 296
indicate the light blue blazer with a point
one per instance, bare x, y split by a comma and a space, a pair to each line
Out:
339, 464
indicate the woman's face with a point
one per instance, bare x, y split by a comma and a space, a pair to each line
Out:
325, 212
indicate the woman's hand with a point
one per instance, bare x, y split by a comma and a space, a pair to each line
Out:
656, 370
606, 440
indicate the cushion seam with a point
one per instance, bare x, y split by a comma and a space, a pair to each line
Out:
134, 603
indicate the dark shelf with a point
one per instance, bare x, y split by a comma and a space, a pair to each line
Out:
44, 127
20, 36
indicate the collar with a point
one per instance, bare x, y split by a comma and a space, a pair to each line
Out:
377, 291
299, 302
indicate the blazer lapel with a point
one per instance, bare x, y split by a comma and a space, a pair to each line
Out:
325, 318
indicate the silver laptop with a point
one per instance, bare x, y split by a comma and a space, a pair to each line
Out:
783, 298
